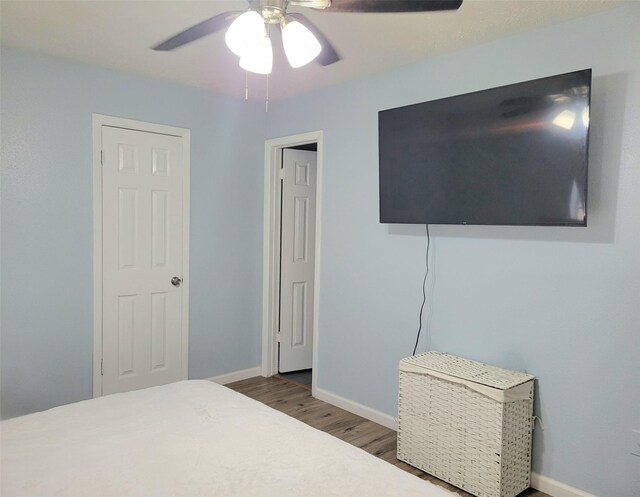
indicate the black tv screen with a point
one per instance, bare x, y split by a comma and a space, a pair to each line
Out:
513, 155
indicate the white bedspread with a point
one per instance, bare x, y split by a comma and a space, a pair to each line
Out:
187, 439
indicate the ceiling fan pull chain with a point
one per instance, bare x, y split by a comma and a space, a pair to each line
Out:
266, 103
246, 85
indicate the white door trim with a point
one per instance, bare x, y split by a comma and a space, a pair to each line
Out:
272, 152
99, 121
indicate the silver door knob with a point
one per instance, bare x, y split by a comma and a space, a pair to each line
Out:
176, 281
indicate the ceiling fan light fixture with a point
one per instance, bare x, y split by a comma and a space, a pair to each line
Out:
260, 58
314, 4
245, 32
300, 44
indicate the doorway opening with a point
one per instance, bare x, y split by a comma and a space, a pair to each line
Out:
293, 170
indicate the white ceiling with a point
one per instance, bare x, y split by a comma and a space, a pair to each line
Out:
118, 34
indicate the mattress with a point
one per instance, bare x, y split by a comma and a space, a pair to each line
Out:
187, 439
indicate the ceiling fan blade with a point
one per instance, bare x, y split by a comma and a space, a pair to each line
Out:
392, 5
329, 55
198, 31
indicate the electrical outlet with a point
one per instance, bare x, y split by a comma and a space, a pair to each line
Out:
635, 443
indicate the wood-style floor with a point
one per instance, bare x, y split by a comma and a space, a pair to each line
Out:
296, 401
300, 377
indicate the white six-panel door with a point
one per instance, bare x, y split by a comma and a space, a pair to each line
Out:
142, 259
297, 260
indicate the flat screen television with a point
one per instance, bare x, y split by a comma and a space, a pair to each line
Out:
513, 155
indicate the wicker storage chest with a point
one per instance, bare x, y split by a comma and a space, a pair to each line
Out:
466, 422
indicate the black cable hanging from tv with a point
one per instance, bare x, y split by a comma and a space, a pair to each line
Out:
424, 292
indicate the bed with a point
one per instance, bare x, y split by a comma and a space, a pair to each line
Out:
187, 439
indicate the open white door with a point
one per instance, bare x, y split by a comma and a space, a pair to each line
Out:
142, 259
297, 260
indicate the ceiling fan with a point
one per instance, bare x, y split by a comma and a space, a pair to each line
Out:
248, 31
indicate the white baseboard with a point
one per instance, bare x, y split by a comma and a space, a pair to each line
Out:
538, 481
556, 488
351, 406
243, 374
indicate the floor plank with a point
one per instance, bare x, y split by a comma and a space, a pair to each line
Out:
295, 400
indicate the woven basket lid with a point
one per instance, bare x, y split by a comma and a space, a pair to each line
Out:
466, 369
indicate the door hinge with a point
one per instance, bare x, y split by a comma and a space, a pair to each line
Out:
101, 367
102, 157
279, 337
281, 173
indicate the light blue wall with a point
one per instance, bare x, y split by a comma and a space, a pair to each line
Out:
560, 303
47, 335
